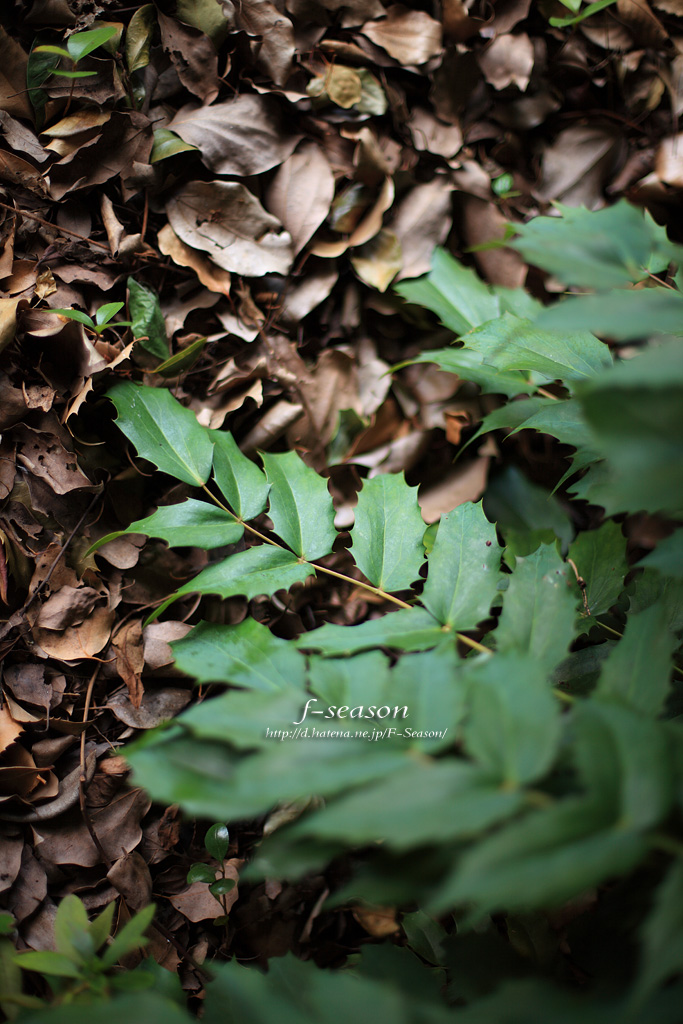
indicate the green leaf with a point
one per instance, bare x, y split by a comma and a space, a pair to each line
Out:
181, 361
640, 748
662, 934
149, 328
239, 480
72, 936
600, 558
527, 515
39, 69
463, 568
80, 44
543, 860
387, 532
139, 37
470, 365
411, 629
456, 293
513, 728
6, 924
163, 431
636, 414
623, 314
243, 717
246, 655
58, 51
300, 505
222, 886
130, 937
638, 670
167, 143
509, 343
106, 312
667, 557
136, 1006
400, 809
190, 523
539, 609
75, 314
217, 841
47, 962
600, 249
62, 73
258, 570
587, 12
201, 873
100, 928
207, 16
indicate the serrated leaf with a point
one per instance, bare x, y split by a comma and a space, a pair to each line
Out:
243, 717
256, 571
217, 841
130, 937
463, 568
163, 431
470, 365
149, 328
511, 343
240, 481
190, 523
592, 249
667, 557
246, 655
539, 608
47, 962
600, 558
662, 934
397, 811
387, 532
513, 727
411, 629
300, 505
638, 670
622, 314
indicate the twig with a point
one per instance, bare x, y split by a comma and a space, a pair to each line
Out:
56, 227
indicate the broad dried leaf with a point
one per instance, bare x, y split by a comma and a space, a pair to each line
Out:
509, 60
194, 57
228, 222
277, 47
410, 37
211, 276
301, 192
243, 136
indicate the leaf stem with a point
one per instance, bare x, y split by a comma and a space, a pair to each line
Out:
358, 583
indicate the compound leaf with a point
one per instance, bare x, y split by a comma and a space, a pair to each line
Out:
190, 523
300, 505
387, 533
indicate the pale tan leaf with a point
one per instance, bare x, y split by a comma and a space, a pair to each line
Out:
211, 276
410, 37
301, 193
509, 60
378, 262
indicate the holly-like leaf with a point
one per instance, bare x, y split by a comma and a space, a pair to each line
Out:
387, 533
667, 557
411, 629
513, 727
600, 559
190, 523
246, 655
259, 570
163, 431
300, 505
463, 568
539, 608
240, 480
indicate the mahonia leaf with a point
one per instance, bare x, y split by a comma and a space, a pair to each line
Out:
411, 629
163, 431
240, 481
387, 533
463, 568
259, 570
539, 608
246, 655
190, 523
300, 505
600, 558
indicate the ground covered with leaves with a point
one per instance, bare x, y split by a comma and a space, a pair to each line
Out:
227, 203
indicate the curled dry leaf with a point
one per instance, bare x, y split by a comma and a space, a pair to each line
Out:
127, 644
432, 135
193, 55
378, 262
467, 483
243, 136
77, 642
9, 729
211, 276
131, 876
156, 639
276, 48
365, 230
669, 161
410, 37
225, 220
509, 60
301, 193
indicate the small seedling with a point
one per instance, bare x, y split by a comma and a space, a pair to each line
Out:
103, 317
216, 843
79, 45
86, 955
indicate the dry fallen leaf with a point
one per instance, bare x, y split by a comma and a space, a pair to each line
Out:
301, 192
212, 277
509, 60
225, 220
410, 37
